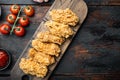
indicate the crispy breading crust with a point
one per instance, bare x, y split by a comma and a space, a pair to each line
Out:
40, 57
48, 37
64, 16
47, 48
31, 67
59, 29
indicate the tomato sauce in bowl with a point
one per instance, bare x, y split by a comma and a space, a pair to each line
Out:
4, 59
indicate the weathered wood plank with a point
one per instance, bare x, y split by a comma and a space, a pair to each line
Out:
24, 2
102, 2
80, 77
5, 78
112, 76
66, 78
89, 2
80, 8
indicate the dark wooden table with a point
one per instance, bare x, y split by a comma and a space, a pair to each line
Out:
94, 54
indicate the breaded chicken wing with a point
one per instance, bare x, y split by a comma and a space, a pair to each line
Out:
29, 66
65, 16
47, 48
48, 37
40, 57
58, 29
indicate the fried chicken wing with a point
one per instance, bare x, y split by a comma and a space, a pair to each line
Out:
40, 57
47, 48
64, 16
58, 29
29, 66
48, 37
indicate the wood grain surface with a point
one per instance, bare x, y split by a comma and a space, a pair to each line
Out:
89, 2
24, 2
94, 52
80, 8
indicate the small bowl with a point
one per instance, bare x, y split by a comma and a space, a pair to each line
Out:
9, 60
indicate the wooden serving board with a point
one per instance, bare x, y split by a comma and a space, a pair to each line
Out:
77, 6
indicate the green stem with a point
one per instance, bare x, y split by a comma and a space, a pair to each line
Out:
15, 21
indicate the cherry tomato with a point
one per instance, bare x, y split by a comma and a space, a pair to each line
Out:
15, 9
24, 21
11, 18
19, 31
29, 10
5, 29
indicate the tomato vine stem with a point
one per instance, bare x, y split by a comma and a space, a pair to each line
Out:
15, 21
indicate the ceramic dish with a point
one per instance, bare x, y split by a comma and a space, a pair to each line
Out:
9, 59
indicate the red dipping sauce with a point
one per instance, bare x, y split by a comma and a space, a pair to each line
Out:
4, 58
